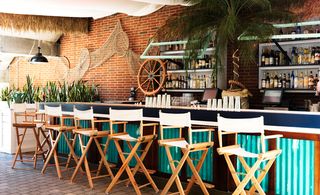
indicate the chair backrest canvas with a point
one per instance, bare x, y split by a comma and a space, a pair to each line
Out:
53, 111
126, 115
83, 114
241, 125
19, 107
175, 119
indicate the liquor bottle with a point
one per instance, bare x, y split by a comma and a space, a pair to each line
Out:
300, 83
188, 81
169, 82
315, 81
263, 81
208, 82
311, 80
313, 52
292, 80
198, 82
296, 80
263, 55
267, 58
267, 81
280, 81
317, 55
300, 55
284, 81
271, 85
294, 56
275, 81
191, 82
271, 58
277, 58
288, 83
305, 80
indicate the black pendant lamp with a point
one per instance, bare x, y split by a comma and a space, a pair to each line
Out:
38, 58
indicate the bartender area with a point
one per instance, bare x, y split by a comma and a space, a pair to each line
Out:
160, 97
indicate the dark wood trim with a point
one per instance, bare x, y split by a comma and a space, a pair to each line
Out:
302, 136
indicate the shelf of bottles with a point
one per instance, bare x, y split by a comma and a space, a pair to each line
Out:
298, 74
192, 76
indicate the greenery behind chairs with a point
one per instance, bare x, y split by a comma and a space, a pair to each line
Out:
79, 91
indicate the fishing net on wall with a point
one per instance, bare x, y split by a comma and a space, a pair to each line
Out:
117, 43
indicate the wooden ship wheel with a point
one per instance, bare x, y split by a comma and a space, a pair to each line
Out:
151, 76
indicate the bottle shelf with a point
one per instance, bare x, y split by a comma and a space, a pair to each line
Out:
184, 90
290, 67
206, 70
294, 90
182, 52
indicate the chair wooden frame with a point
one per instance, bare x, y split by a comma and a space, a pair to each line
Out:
50, 114
123, 117
180, 121
20, 110
227, 126
93, 135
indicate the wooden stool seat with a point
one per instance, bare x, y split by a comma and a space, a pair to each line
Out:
94, 135
124, 117
173, 121
233, 126
27, 122
55, 133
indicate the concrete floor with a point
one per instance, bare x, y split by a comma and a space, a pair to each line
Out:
25, 180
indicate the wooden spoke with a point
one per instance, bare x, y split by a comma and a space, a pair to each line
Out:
145, 69
145, 82
156, 81
148, 85
158, 69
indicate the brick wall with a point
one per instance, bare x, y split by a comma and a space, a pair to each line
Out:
113, 76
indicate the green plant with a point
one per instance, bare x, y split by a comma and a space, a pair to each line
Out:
51, 92
5, 94
29, 91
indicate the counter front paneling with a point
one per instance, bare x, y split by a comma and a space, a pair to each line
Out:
300, 146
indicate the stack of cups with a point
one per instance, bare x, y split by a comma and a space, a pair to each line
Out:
214, 104
231, 103
159, 101
168, 101
225, 103
237, 103
209, 105
219, 104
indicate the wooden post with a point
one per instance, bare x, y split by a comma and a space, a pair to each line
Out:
316, 167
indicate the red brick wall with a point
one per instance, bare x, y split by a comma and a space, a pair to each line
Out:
113, 76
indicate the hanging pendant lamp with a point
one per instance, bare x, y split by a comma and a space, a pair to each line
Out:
38, 58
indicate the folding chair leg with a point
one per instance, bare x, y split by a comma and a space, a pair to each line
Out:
38, 148
56, 162
103, 158
233, 173
140, 164
70, 154
262, 175
18, 141
199, 165
256, 184
125, 162
51, 151
248, 176
173, 168
175, 172
18, 151
83, 158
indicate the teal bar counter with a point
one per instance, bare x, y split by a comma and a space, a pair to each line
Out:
296, 171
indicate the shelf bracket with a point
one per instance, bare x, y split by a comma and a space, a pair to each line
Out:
285, 54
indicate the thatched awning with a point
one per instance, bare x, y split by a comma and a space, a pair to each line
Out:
44, 23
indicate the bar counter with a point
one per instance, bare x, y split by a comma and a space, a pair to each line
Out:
296, 171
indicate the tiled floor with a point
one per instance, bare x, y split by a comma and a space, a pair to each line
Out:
25, 180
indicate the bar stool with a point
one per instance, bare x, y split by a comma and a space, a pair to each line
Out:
234, 126
52, 113
26, 120
94, 135
173, 121
122, 117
